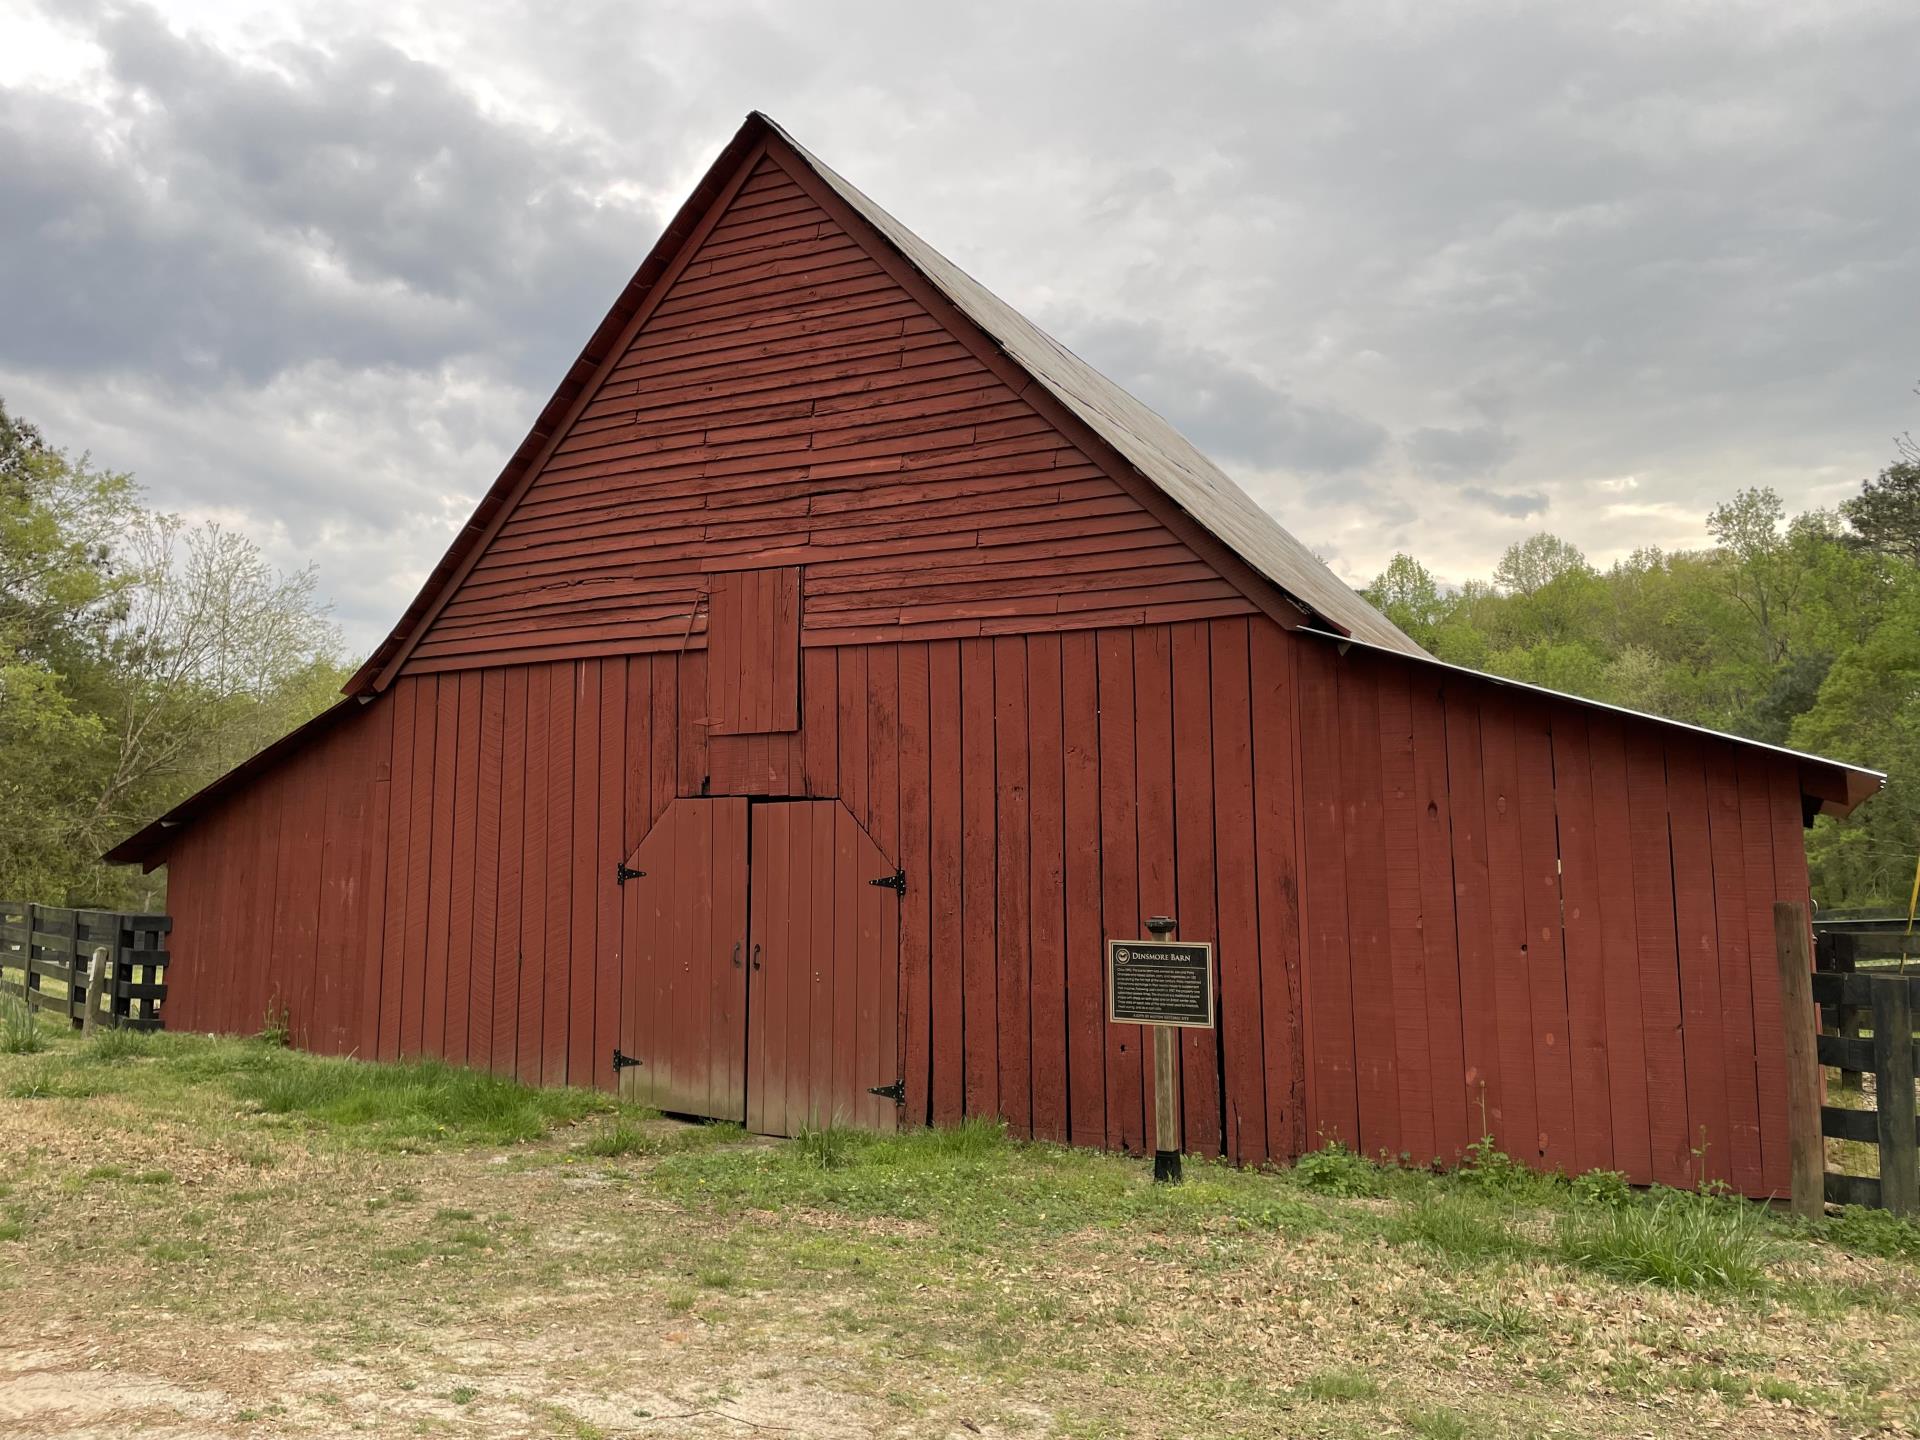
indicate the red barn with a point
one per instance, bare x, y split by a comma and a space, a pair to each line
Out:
839, 661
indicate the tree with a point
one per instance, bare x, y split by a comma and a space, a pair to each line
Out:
211, 639
58, 521
1767, 570
1407, 594
139, 658
1530, 565
1886, 513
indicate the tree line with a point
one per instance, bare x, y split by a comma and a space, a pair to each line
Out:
1800, 630
140, 657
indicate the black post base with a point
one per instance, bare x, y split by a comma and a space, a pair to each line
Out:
1166, 1166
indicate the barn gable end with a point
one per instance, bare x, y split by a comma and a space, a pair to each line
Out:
786, 401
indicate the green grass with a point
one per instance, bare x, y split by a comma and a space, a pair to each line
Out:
623, 1138
1462, 1226
1339, 1385
1437, 1424
20, 1033
1677, 1240
413, 1104
108, 1046
972, 1180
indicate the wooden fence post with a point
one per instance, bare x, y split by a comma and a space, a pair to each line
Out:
1848, 1018
1893, 1093
1806, 1150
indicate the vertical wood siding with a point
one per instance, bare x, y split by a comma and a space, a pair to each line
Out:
1573, 902
1440, 908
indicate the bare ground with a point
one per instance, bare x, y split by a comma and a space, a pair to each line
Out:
234, 1274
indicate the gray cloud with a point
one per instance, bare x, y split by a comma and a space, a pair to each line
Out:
1226, 409
1517, 507
214, 220
1471, 450
319, 283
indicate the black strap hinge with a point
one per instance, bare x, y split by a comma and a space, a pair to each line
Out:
622, 1061
622, 873
897, 1091
896, 882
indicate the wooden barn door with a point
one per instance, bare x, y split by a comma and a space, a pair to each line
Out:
683, 1009
824, 972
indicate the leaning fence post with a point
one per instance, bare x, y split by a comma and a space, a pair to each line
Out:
1806, 1150
100, 974
1893, 1093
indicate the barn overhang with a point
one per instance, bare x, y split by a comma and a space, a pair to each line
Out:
1827, 786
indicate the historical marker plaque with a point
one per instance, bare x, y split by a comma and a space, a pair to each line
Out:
1160, 982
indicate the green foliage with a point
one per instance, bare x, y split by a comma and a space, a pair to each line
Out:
20, 1033
139, 658
1886, 512
1678, 1240
1605, 1188
276, 1025
1335, 1170
1491, 1170
1799, 630
1874, 1232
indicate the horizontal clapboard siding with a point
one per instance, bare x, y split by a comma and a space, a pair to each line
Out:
788, 403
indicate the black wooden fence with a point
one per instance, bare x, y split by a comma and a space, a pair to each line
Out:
1868, 992
47, 955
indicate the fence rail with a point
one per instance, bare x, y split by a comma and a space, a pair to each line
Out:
1865, 998
57, 959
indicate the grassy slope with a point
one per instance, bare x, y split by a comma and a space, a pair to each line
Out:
301, 1245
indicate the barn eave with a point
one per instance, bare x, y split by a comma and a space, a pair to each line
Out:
1827, 786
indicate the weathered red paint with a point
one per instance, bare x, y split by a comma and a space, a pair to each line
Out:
803, 584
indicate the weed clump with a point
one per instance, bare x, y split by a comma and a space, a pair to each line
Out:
20, 1033
111, 1045
1680, 1241
1336, 1170
1607, 1189
830, 1148
623, 1139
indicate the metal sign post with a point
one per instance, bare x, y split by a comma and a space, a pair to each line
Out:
1167, 986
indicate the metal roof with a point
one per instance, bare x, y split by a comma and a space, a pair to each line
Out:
1845, 785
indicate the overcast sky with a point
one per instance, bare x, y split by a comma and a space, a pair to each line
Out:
1423, 276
